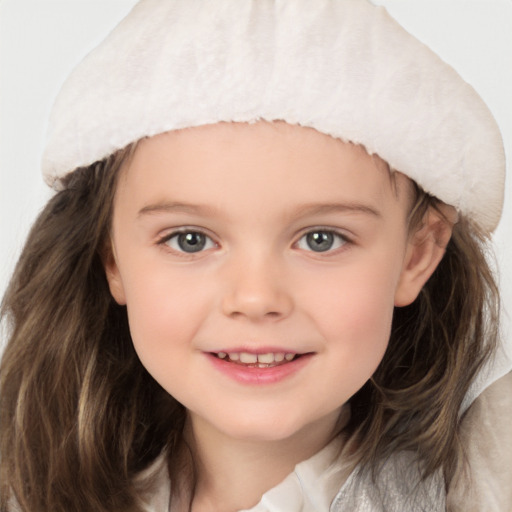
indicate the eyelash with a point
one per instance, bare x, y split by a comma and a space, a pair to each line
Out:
334, 237
208, 241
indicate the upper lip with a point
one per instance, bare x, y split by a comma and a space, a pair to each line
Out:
257, 351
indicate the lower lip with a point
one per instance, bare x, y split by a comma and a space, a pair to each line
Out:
259, 376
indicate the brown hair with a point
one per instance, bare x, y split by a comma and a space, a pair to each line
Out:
437, 346
81, 417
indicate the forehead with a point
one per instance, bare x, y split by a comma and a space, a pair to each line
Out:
293, 163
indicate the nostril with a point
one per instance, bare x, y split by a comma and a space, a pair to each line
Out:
256, 301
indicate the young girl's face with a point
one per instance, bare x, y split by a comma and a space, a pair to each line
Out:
238, 247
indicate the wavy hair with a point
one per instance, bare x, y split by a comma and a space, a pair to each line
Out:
438, 344
80, 417
79, 414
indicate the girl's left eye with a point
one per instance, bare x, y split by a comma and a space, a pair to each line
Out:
189, 242
321, 241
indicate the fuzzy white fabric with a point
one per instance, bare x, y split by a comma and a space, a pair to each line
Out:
343, 67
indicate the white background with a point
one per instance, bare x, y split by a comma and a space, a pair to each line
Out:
42, 40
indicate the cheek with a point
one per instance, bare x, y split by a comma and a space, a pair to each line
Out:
163, 314
355, 303
355, 317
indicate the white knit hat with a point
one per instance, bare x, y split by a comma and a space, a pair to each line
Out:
343, 67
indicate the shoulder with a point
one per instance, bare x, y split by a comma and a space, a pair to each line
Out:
398, 487
485, 485
154, 486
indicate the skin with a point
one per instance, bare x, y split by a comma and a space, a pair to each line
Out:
256, 191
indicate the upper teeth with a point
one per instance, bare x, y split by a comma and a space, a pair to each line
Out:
248, 358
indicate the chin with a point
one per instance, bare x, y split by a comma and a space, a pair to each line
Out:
266, 427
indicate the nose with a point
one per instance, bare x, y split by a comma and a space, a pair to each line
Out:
258, 289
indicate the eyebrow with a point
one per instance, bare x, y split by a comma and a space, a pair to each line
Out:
325, 208
175, 207
301, 211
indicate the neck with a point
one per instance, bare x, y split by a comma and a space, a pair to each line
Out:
233, 474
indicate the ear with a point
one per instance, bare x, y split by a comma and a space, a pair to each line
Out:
426, 248
113, 275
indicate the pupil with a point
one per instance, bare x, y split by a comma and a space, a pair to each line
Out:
320, 241
191, 242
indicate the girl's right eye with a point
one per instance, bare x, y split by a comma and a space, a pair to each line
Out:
189, 242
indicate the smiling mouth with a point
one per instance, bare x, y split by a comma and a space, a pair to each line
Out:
250, 360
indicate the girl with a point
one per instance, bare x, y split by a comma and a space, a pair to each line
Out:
262, 283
